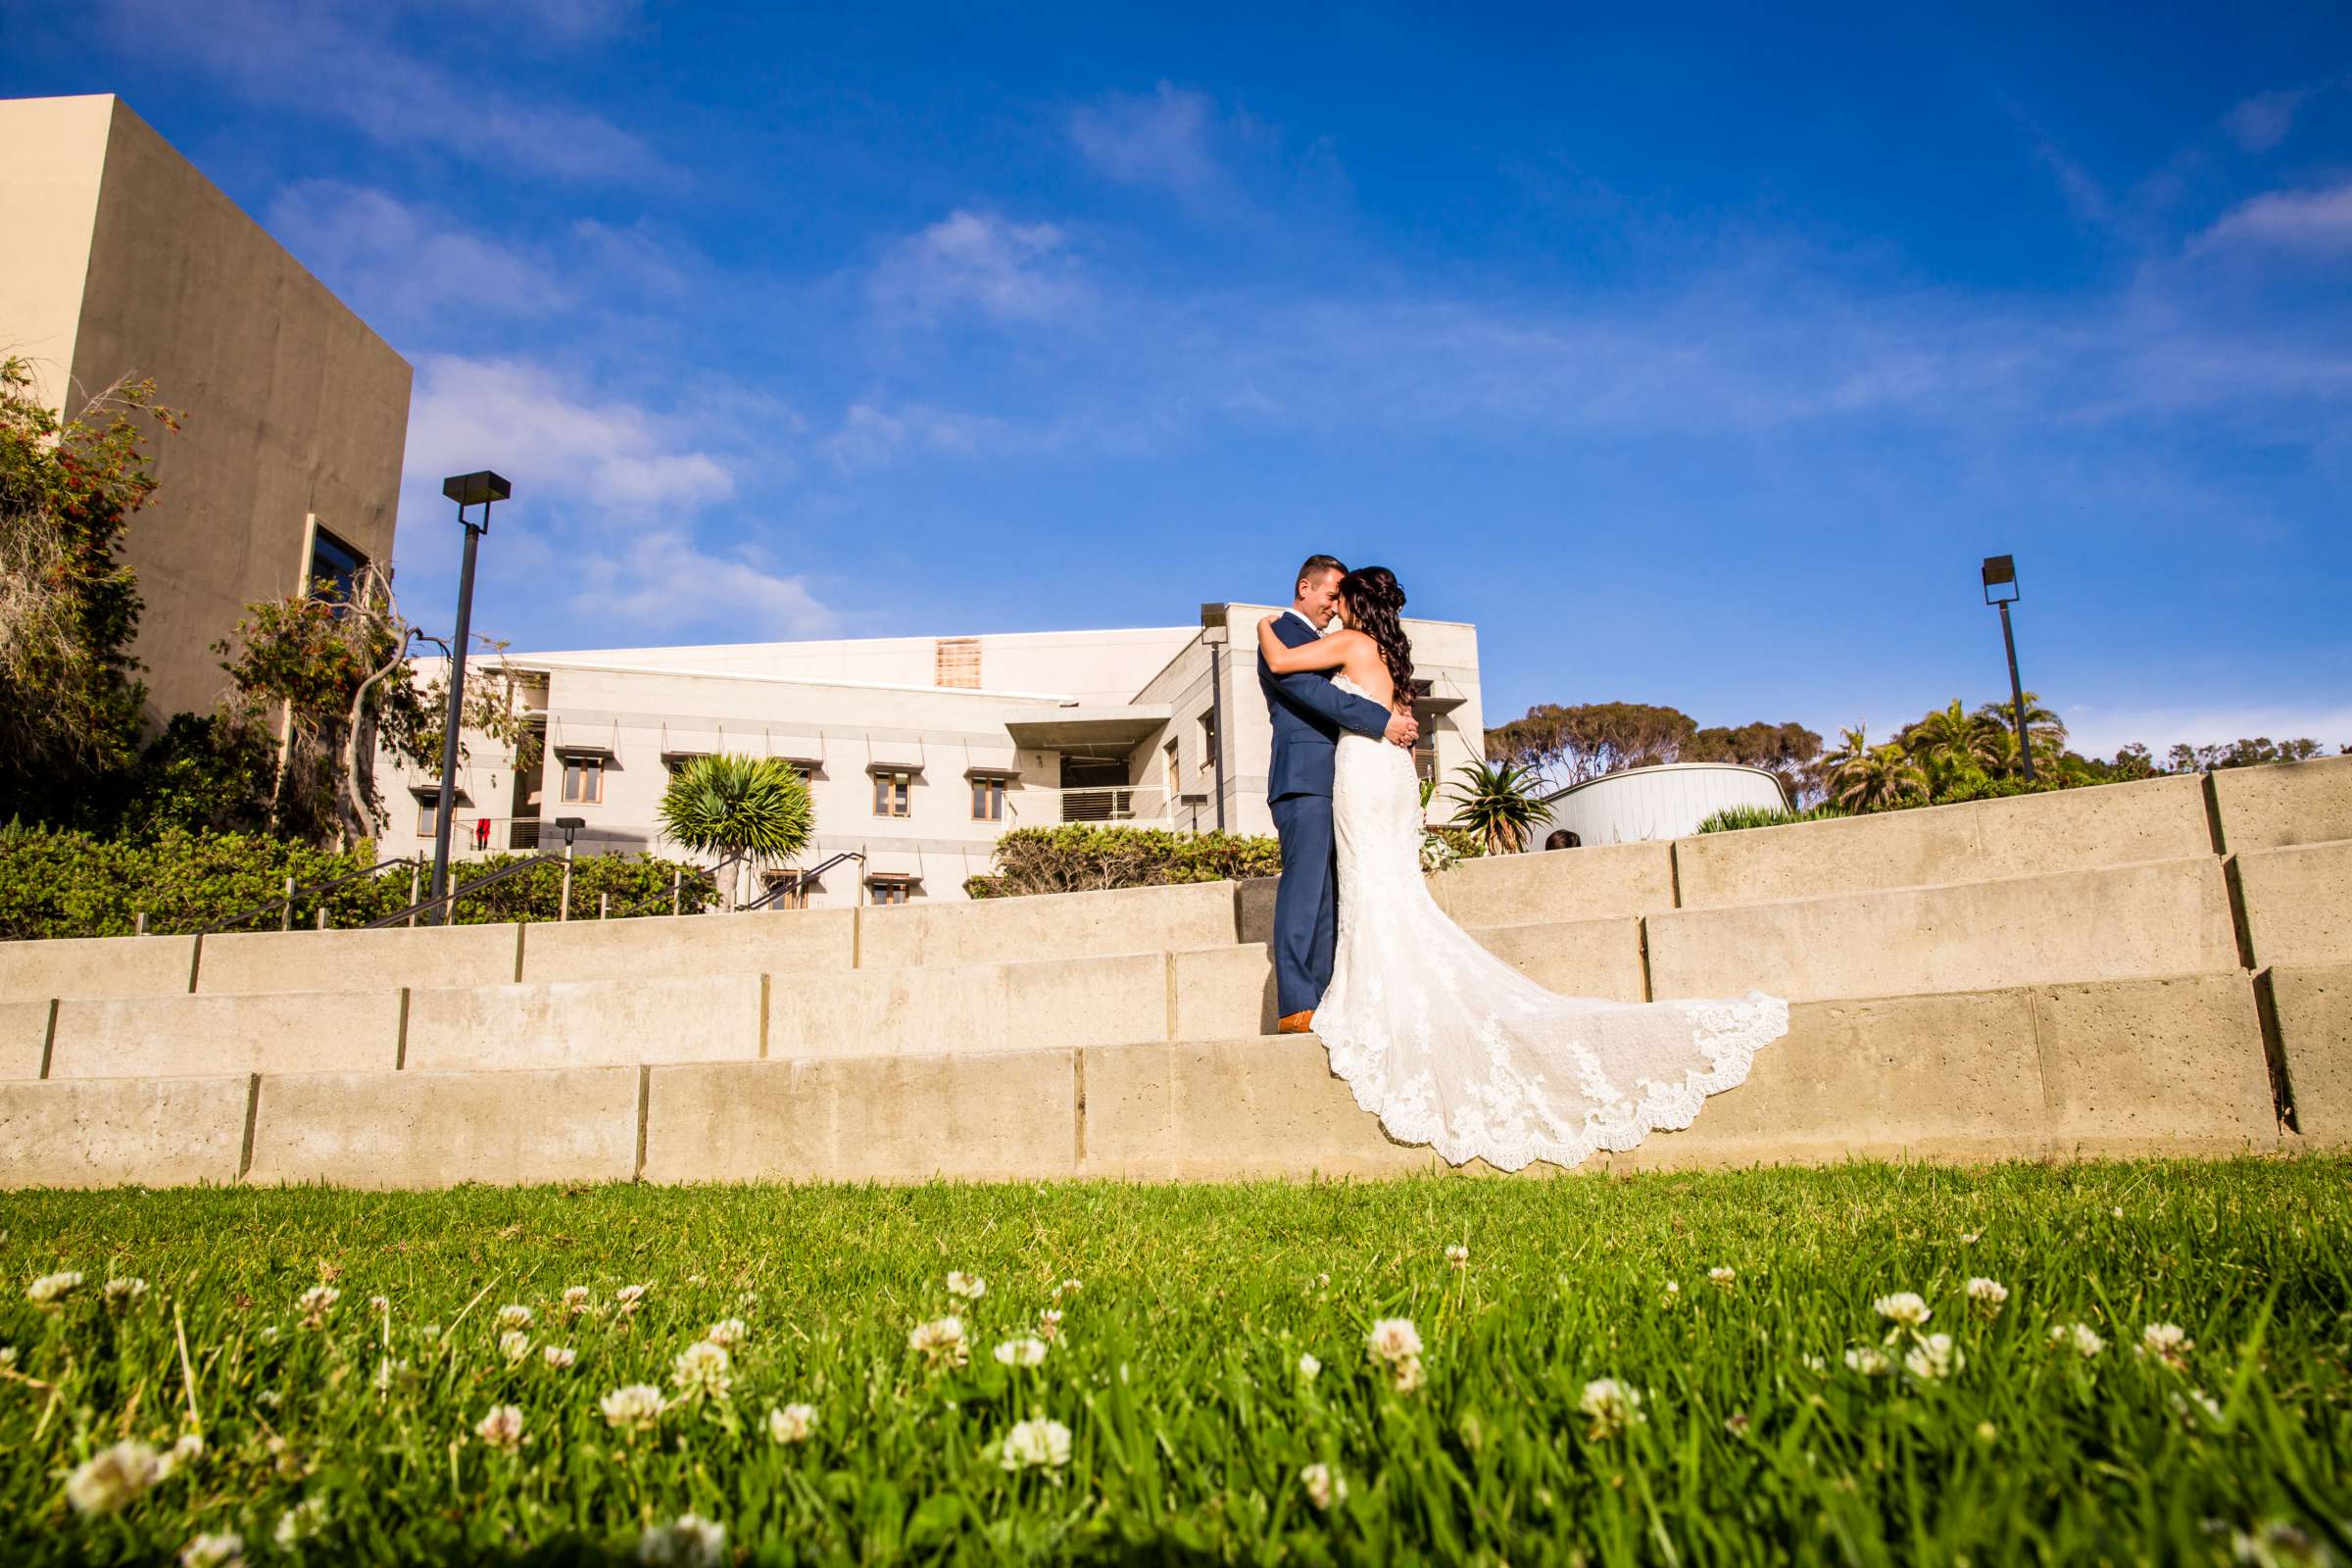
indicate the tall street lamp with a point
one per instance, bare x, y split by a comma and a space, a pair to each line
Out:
466, 490
2000, 572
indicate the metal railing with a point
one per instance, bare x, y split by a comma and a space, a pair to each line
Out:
453, 893
283, 904
796, 883
1104, 803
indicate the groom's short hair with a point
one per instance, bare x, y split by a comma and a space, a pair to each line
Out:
1316, 567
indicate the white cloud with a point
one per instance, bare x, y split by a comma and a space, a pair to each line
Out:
370, 245
871, 435
2097, 731
2263, 122
662, 580
1160, 138
2315, 220
981, 261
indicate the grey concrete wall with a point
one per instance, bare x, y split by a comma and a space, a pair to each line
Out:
147, 1132
783, 942
1075, 924
1564, 885
2288, 803
2299, 903
24, 1038
435, 1129
257, 962
181, 1037
974, 1007
2314, 1035
96, 966
585, 1023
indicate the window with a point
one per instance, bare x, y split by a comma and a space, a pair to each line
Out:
334, 564
890, 890
988, 800
583, 780
428, 808
894, 793
1208, 740
795, 893
1425, 756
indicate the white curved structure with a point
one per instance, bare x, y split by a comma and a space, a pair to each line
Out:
1665, 802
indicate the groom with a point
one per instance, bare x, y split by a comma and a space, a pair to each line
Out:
1309, 713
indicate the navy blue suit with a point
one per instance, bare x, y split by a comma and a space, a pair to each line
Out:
1309, 713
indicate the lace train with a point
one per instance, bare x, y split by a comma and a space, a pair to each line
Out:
1449, 1046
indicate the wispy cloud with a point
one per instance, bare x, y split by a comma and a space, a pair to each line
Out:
870, 435
978, 261
2316, 221
2097, 731
662, 580
396, 261
2261, 121
345, 63
1155, 138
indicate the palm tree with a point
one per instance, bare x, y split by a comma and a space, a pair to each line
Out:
2044, 728
743, 810
1950, 738
1498, 803
1863, 777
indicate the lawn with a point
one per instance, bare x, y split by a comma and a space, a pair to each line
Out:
1663, 1369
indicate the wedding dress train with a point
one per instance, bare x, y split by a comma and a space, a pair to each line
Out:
1449, 1046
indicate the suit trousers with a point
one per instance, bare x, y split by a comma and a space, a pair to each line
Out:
1307, 903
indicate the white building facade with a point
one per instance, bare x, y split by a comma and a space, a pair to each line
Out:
1665, 801
919, 753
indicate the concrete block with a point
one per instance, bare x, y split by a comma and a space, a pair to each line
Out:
147, 1132
2298, 903
668, 946
865, 1119
584, 1023
1940, 1077
1220, 1110
2158, 918
1574, 958
254, 962
2286, 803
2026, 835
96, 966
976, 1008
24, 1038
436, 1129
1198, 914
1222, 992
2163, 1066
181, 1037
1563, 885
2314, 1035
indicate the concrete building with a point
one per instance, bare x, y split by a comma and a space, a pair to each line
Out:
1667, 800
919, 752
120, 261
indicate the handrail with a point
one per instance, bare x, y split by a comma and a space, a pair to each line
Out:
676, 891
285, 899
801, 881
452, 895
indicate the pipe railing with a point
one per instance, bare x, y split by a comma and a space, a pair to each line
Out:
799, 881
453, 893
283, 904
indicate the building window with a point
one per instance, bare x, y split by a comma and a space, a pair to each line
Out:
583, 780
1208, 740
894, 793
335, 567
988, 800
892, 890
427, 812
794, 893
1425, 756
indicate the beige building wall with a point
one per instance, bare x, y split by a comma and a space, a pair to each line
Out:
124, 262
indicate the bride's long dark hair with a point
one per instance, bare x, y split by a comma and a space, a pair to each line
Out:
1374, 596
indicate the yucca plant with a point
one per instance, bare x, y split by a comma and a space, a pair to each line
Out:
1497, 802
752, 809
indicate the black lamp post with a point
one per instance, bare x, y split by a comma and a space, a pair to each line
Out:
2000, 572
466, 490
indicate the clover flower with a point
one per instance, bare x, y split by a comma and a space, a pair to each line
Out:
316, 1302
702, 1371
2081, 1338
1048, 1323
1034, 1445
795, 1423
1324, 1487
1904, 1308
1027, 1350
2168, 1343
1723, 1278
1458, 1255
51, 1289
1934, 1358
1988, 1295
1066, 1287
967, 1286
1611, 1406
691, 1542
575, 1299
514, 1316
1869, 1362
502, 1427
559, 1356
300, 1523
1308, 1366
627, 1298
515, 1345
1396, 1344
225, 1549
114, 1477
633, 1408
941, 1342
379, 1305
727, 1332
124, 1292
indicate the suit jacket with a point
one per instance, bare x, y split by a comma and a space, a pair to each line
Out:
1309, 713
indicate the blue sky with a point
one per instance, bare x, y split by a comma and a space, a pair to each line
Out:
1697, 362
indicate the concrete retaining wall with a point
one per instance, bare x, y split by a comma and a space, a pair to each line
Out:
1546, 889
24, 1038
122, 1132
2314, 1038
254, 962
585, 1023
2299, 903
784, 942
96, 966
2290, 803
436, 1129
977, 1008
181, 1037
1069, 925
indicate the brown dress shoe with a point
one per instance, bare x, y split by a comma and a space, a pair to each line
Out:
1296, 1023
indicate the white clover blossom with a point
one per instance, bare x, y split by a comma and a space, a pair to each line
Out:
1934, 1358
2080, 1338
316, 1302
1392, 1338
1028, 1351
514, 1315
8, 1355
633, 1408
502, 1427
690, 1542
114, 1477
1066, 1287
2201, 1403
1324, 1485
795, 1423
1819, 1366
627, 1298
575, 1299
1308, 1366
52, 1288
702, 1371
1611, 1406
1988, 1295
727, 1332
224, 1549
1869, 1360
515, 1345
941, 1342
300, 1523
1723, 1278
2168, 1343
379, 1305
1048, 1323
1458, 1255
559, 1356
185, 1451
124, 1292
1036, 1445
1905, 1307
967, 1286
269, 1334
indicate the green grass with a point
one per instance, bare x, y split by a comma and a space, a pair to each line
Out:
1176, 1370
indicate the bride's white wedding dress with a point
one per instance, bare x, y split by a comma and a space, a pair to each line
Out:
1449, 1046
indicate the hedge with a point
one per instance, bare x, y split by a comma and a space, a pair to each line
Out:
1078, 858
63, 884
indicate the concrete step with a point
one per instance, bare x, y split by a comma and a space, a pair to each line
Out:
2171, 1064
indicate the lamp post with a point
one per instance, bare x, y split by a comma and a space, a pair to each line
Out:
2000, 572
570, 825
466, 490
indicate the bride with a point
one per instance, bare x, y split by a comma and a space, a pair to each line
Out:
1445, 1042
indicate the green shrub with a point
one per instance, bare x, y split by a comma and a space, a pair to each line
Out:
1078, 858
57, 884
1733, 817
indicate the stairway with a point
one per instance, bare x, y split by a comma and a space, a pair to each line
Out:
2160, 967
